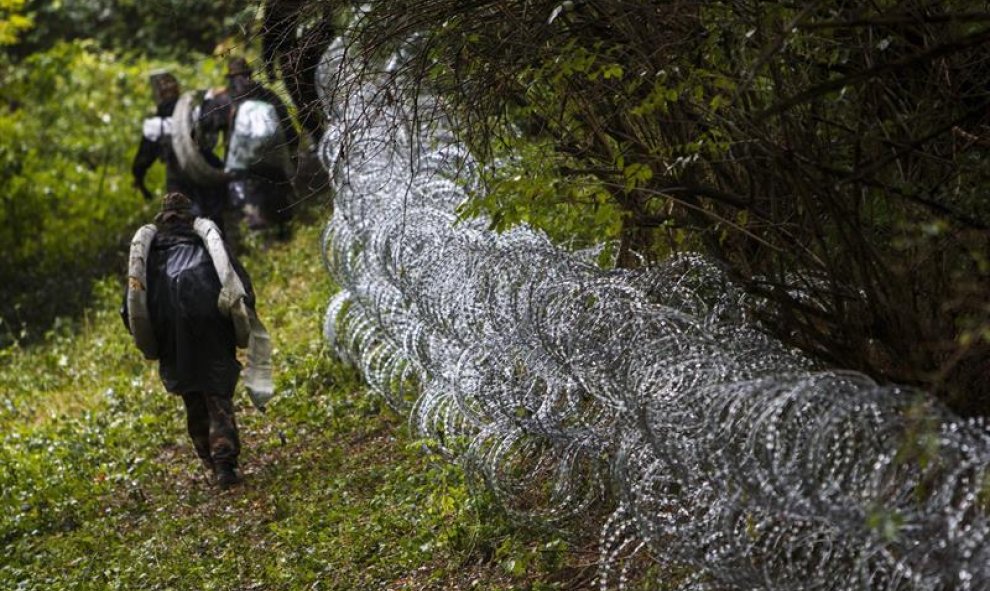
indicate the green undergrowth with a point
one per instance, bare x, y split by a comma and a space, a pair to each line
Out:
100, 488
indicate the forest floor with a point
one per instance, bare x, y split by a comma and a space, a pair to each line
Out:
100, 488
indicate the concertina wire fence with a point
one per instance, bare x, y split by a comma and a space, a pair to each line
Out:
726, 455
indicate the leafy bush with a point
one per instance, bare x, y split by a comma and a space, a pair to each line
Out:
163, 28
70, 121
828, 156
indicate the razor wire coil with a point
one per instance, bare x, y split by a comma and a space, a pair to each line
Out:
730, 456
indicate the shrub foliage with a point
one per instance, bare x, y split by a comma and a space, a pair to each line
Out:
829, 155
70, 121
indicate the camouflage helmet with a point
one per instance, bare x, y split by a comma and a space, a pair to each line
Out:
164, 86
176, 201
176, 207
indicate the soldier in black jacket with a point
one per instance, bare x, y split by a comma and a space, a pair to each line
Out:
196, 342
156, 144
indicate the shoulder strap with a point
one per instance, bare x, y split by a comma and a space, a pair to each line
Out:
248, 329
138, 319
232, 292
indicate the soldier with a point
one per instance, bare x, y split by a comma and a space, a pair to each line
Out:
260, 147
156, 144
190, 336
243, 87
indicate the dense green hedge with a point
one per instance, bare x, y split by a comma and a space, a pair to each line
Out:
70, 119
161, 28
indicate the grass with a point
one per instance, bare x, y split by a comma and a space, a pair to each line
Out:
100, 488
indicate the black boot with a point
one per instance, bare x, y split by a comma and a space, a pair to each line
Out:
227, 476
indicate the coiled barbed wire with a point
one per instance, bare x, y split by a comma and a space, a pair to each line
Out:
732, 459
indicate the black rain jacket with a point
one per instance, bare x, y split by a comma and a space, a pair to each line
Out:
196, 343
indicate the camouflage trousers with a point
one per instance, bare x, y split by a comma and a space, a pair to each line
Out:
212, 427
